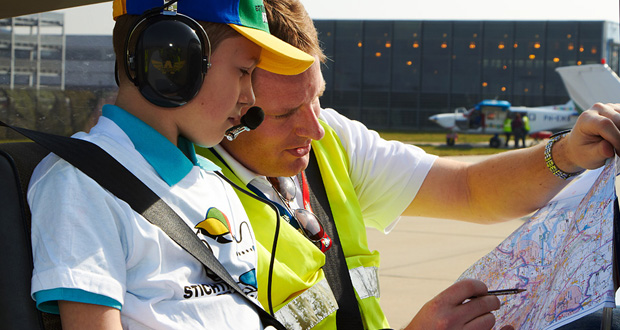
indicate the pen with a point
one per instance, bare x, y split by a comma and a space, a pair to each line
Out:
501, 292
505, 291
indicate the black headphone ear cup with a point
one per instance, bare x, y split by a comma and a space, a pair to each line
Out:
168, 59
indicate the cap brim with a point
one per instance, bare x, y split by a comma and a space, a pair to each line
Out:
277, 56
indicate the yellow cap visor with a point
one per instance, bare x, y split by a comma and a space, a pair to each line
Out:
277, 56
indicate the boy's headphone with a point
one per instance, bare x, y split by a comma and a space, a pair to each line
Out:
165, 56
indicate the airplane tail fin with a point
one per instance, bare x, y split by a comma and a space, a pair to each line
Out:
588, 84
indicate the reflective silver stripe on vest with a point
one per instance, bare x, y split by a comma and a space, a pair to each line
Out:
365, 281
309, 308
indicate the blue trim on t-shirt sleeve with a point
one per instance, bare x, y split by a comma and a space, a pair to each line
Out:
47, 300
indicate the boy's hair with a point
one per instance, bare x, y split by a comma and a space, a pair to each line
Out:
289, 21
217, 32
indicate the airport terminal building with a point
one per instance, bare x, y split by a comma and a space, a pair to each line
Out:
389, 74
395, 74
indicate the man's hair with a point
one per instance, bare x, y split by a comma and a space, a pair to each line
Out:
289, 21
217, 32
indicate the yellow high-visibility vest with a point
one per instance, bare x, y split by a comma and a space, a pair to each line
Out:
526, 123
301, 296
507, 125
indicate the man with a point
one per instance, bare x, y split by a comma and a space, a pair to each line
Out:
517, 130
371, 182
526, 128
100, 264
507, 128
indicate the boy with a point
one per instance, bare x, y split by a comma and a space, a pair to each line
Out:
100, 264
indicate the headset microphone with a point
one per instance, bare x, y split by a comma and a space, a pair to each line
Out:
249, 121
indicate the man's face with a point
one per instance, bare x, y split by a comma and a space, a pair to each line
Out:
280, 146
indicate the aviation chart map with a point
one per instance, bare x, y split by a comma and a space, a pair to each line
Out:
562, 256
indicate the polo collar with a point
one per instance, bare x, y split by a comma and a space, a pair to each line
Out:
243, 173
172, 163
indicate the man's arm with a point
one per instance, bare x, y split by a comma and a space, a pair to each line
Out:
74, 315
516, 183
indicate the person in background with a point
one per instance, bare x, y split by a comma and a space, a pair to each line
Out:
507, 128
526, 128
517, 129
184, 79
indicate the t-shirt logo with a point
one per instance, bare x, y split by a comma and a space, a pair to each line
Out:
216, 226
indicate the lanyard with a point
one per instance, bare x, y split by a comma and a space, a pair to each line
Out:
326, 242
305, 192
283, 210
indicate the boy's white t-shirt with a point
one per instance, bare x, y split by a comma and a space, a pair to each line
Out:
91, 247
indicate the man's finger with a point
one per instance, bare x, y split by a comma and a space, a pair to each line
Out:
479, 306
462, 290
482, 322
604, 121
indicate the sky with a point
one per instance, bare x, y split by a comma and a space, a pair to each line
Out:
97, 19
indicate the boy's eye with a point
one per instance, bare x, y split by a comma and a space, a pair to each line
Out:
244, 71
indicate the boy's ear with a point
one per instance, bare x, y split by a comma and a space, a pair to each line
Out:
167, 57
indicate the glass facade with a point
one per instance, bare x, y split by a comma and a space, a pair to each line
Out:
395, 74
405, 68
347, 78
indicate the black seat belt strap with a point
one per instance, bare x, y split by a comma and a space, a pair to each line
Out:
336, 270
113, 176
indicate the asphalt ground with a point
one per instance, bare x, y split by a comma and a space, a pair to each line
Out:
423, 256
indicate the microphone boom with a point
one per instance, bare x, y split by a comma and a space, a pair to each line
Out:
251, 120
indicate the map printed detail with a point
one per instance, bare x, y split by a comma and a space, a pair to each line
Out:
562, 256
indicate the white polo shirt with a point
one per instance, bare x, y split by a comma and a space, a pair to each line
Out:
386, 175
91, 247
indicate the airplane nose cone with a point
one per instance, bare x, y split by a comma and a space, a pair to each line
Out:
433, 118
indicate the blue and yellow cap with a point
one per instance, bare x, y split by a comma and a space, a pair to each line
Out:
247, 17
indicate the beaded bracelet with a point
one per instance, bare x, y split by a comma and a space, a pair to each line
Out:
549, 160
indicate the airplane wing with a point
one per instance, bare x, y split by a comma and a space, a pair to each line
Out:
26, 7
588, 84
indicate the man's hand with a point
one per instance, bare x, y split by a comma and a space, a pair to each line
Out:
593, 139
447, 310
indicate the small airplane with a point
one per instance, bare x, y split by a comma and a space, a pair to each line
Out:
487, 117
585, 84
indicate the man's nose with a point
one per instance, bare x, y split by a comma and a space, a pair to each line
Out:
309, 125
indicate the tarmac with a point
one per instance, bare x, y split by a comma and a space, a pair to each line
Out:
423, 256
